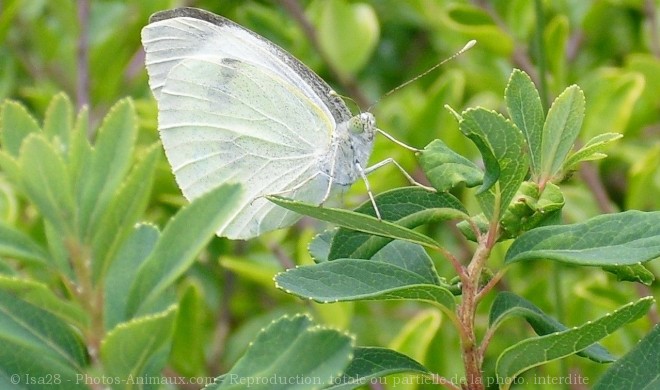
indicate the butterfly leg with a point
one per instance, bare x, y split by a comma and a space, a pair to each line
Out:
363, 175
396, 141
332, 173
406, 174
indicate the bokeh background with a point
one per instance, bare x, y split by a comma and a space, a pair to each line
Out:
91, 50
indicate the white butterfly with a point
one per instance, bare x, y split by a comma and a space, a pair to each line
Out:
234, 107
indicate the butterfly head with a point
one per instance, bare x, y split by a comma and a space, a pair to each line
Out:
364, 123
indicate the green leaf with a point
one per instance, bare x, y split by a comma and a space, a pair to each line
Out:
182, 239
624, 238
355, 221
16, 244
524, 105
411, 257
40, 332
479, 221
530, 209
9, 204
81, 125
126, 207
446, 169
58, 252
475, 133
371, 362
637, 370
408, 207
16, 124
591, 150
10, 168
277, 352
400, 271
507, 304
46, 182
107, 165
58, 120
36, 370
319, 246
561, 129
502, 146
538, 350
355, 279
128, 350
190, 336
348, 34
42, 296
241, 338
123, 270
631, 273
80, 152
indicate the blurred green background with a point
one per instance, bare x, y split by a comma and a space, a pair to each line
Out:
91, 50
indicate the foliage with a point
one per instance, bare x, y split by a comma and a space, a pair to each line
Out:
101, 285
93, 290
612, 240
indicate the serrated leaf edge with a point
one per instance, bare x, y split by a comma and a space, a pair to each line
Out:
638, 302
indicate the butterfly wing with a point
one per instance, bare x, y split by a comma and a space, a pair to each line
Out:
235, 107
184, 33
231, 121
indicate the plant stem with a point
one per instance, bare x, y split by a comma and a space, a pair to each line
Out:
491, 283
472, 353
458, 267
490, 332
466, 314
441, 380
88, 295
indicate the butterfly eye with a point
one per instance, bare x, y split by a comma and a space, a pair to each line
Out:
356, 125
360, 123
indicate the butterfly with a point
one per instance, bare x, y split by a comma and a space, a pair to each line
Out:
235, 107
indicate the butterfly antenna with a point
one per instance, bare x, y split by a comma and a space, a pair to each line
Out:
344, 97
465, 48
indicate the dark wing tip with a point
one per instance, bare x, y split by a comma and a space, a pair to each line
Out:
188, 12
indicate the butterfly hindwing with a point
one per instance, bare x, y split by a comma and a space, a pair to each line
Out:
231, 121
